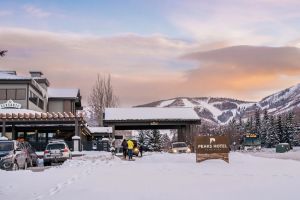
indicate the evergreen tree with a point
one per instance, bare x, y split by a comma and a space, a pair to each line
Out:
142, 137
264, 128
257, 125
174, 136
154, 140
290, 129
271, 136
249, 125
166, 141
280, 130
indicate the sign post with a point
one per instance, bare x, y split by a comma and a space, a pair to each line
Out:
212, 147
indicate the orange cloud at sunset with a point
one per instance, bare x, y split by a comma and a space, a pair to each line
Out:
150, 68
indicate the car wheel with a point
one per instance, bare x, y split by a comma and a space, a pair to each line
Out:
15, 166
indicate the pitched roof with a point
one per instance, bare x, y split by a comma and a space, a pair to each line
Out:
9, 76
63, 92
147, 113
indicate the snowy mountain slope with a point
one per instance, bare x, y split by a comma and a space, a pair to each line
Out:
218, 111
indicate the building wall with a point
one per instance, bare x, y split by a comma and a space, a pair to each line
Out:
16, 86
55, 105
61, 105
35, 105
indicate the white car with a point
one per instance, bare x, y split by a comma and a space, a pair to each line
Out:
180, 147
56, 151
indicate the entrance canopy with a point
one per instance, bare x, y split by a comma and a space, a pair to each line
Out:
146, 114
143, 118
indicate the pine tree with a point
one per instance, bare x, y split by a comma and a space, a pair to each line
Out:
264, 128
166, 141
271, 137
280, 130
249, 125
290, 129
257, 125
142, 137
174, 135
154, 140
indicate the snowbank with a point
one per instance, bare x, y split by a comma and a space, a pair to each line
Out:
157, 176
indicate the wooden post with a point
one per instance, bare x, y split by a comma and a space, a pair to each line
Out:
76, 127
113, 131
14, 133
180, 136
3, 128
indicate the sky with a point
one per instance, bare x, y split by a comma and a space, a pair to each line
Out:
156, 49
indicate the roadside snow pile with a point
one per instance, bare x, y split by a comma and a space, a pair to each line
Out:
294, 154
159, 176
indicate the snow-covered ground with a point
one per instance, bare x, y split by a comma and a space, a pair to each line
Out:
156, 176
294, 154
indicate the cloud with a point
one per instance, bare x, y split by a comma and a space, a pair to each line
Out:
5, 13
149, 68
72, 60
246, 71
267, 22
36, 12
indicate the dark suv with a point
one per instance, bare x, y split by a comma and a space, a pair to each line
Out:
15, 155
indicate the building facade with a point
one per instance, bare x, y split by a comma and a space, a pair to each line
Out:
34, 93
32, 110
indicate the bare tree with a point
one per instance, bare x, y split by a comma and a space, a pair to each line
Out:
2, 53
102, 96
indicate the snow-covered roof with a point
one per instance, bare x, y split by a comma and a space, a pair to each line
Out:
62, 92
150, 113
17, 111
10, 76
100, 129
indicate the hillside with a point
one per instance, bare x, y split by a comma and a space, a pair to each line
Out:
221, 110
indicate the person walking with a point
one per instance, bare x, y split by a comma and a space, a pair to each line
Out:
141, 150
130, 145
124, 147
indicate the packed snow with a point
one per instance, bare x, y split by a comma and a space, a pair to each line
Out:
17, 111
166, 103
145, 113
62, 92
156, 176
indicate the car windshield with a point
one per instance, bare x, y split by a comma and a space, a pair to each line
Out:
55, 146
6, 146
178, 145
251, 142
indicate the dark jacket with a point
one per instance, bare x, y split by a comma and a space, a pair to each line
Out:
124, 144
141, 148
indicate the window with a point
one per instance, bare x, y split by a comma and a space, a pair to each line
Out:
33, 98
20, 94
11, 94
3, 94
41, 103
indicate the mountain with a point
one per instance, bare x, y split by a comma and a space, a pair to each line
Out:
220, 111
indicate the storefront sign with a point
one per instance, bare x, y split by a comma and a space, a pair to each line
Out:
10, 104
212, 147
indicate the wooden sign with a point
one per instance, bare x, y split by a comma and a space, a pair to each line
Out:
212, 147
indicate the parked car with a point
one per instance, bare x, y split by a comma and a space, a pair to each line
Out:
14, 155
179, 147
56, 151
